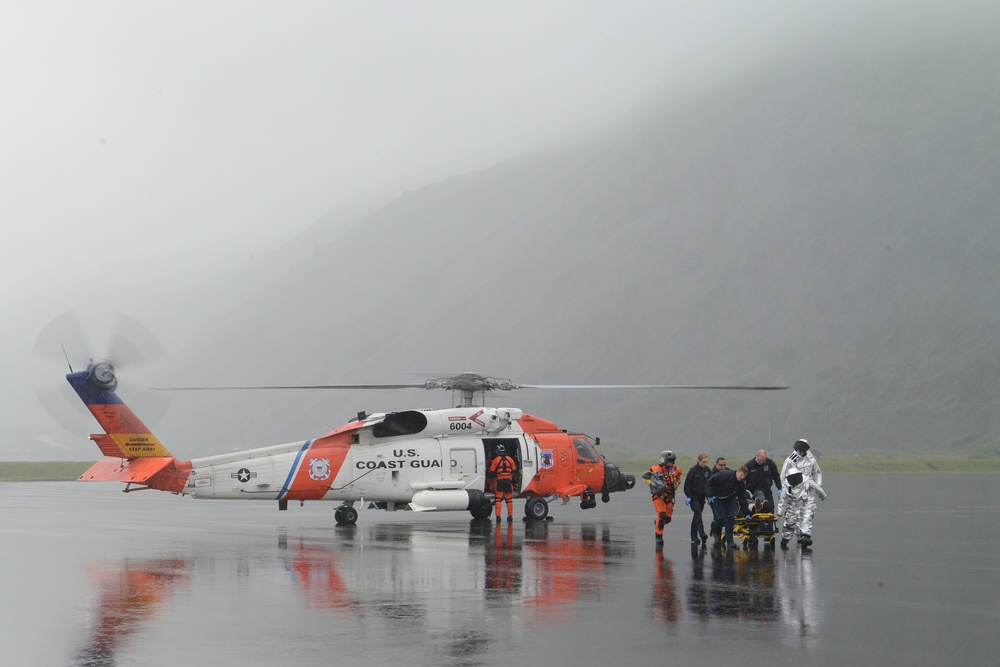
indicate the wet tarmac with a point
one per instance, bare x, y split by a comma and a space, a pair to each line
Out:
904, 570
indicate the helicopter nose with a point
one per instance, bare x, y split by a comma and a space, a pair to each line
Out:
616, 480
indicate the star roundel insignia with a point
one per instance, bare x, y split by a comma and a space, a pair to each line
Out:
243, 474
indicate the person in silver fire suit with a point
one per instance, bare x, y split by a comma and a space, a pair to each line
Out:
801, 484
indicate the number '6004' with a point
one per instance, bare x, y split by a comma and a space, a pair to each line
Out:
460, 426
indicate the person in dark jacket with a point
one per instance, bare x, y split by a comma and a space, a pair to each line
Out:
720, 464
726, 490
762, 472
694, 489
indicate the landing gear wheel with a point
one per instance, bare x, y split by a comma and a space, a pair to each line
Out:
483, 510
536, 508
345, 516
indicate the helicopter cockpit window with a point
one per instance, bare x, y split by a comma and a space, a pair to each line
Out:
400, 423
584, 452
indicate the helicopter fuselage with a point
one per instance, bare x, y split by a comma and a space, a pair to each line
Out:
424, 460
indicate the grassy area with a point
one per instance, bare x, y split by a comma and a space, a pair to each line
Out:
41, 471
870, 461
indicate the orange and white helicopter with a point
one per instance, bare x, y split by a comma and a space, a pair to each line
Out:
423, 460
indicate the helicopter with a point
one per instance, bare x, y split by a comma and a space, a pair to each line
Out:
426, 460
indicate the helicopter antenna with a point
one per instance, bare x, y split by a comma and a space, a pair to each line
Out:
67, 357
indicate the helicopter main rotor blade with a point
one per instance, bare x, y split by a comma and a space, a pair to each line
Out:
647, 386
298, 386
425, 385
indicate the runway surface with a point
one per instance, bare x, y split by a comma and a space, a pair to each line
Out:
904, 570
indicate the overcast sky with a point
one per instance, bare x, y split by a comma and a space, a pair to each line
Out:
212, 131
191, 137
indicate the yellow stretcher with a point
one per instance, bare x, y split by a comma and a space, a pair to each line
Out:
760, 526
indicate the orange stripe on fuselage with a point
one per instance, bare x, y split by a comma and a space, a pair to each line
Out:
318, 467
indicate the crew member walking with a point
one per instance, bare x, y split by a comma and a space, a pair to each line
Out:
663, 480
801, 484
726, 490
502, 471
720, 464
694, 489
762, 472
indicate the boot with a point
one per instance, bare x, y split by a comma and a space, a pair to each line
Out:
784, 542
807, 540
659, 541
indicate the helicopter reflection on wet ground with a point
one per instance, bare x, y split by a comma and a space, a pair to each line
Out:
94, 577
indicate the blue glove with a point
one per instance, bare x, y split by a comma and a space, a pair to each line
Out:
711, 499
779, 494
687, 501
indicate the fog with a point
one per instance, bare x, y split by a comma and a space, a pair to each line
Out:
149, 151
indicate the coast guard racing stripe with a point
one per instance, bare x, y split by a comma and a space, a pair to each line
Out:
315, 468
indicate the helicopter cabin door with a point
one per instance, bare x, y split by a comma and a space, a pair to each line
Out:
463, 463
512, 447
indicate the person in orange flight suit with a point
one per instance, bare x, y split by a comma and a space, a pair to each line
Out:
502, 471
663, 480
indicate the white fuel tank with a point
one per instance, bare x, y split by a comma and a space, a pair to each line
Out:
446, 500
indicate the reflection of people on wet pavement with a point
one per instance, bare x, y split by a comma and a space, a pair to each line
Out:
798, 598
697, 592
664, 601
743, 585
727, 493
694, 489
503, 562
762, 472
663, 481
801, 484
502, 472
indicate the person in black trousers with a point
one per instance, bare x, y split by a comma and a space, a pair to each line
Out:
694, 489
728, 493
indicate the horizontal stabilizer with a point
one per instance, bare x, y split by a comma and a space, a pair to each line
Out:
136, 471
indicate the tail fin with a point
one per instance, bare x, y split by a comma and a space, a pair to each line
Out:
134, 454
125, 435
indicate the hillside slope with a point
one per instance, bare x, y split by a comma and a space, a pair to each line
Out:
827, 223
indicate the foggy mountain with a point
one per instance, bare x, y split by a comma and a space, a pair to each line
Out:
827, 222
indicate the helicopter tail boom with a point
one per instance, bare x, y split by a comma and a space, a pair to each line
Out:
133, 455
